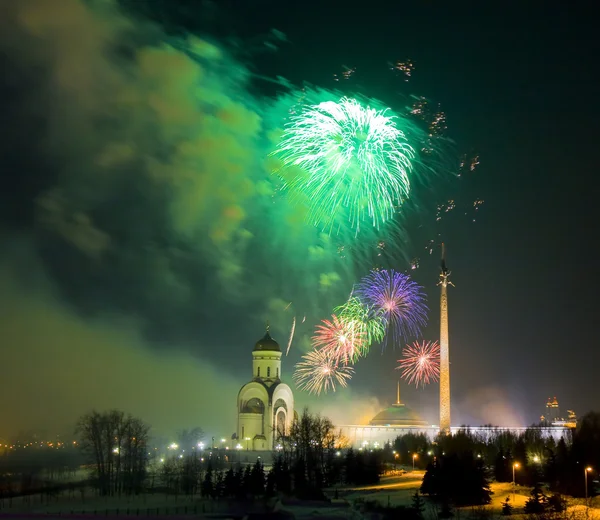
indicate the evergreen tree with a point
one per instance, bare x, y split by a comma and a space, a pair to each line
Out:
429, 483
257, 480
238, 482
556, 503
501, 467
271, 484
207, 483
229, 484
507, 508
536, 503
418, 506
219, 487
460, 480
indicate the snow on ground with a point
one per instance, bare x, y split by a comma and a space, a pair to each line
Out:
394, 491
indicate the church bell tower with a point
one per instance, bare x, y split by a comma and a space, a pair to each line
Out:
265, 405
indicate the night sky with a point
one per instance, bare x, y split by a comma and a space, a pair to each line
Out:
115, 290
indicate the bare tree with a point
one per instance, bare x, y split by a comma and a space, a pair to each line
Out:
189, 439
117, 445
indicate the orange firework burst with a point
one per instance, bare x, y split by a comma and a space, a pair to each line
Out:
420, 363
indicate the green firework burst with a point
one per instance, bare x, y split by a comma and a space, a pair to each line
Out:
348, 162
367, 321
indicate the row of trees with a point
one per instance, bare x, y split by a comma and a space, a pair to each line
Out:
309, 459
535, 454
117, 445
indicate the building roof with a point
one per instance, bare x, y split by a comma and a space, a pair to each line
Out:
397, 415
267, 343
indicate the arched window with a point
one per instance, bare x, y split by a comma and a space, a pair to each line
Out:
277, 372
258, 372
268, 371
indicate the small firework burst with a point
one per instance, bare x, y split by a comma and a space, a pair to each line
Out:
343, 339
420, 363
320, 372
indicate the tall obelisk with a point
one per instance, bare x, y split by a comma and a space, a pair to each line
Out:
444, 349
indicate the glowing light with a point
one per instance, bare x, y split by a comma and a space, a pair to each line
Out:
343, 340
320, 372
350, 163
398, 299
420, 363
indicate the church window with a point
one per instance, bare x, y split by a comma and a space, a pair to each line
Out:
268, 371
258, 372
277, 372
243, 432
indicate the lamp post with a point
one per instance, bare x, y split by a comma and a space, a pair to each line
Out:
586, 471
515, 466
414, 457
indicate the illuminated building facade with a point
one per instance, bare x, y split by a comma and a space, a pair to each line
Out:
552, 416
265, 405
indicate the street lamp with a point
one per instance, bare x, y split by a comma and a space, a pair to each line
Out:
414, 457
515, 466
536, 459
587, 470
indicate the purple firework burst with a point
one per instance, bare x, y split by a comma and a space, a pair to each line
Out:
398, 299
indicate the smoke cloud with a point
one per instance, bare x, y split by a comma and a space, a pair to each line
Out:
143, 163
57, 366
138, 173
489, 405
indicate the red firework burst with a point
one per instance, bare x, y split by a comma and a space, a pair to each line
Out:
343, 340
420, 363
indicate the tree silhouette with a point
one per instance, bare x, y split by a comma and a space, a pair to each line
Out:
207, 483
537, 502
507, 508
460, 480
418, 506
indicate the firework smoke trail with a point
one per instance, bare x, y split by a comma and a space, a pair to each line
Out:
350, 162
398, 298
291, 335
343, 340
420, 363
320, 372
366, 320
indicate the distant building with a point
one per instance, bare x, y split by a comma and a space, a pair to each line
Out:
398, 415
265, 405
553, 417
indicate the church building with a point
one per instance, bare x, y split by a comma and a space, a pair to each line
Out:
265, 405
